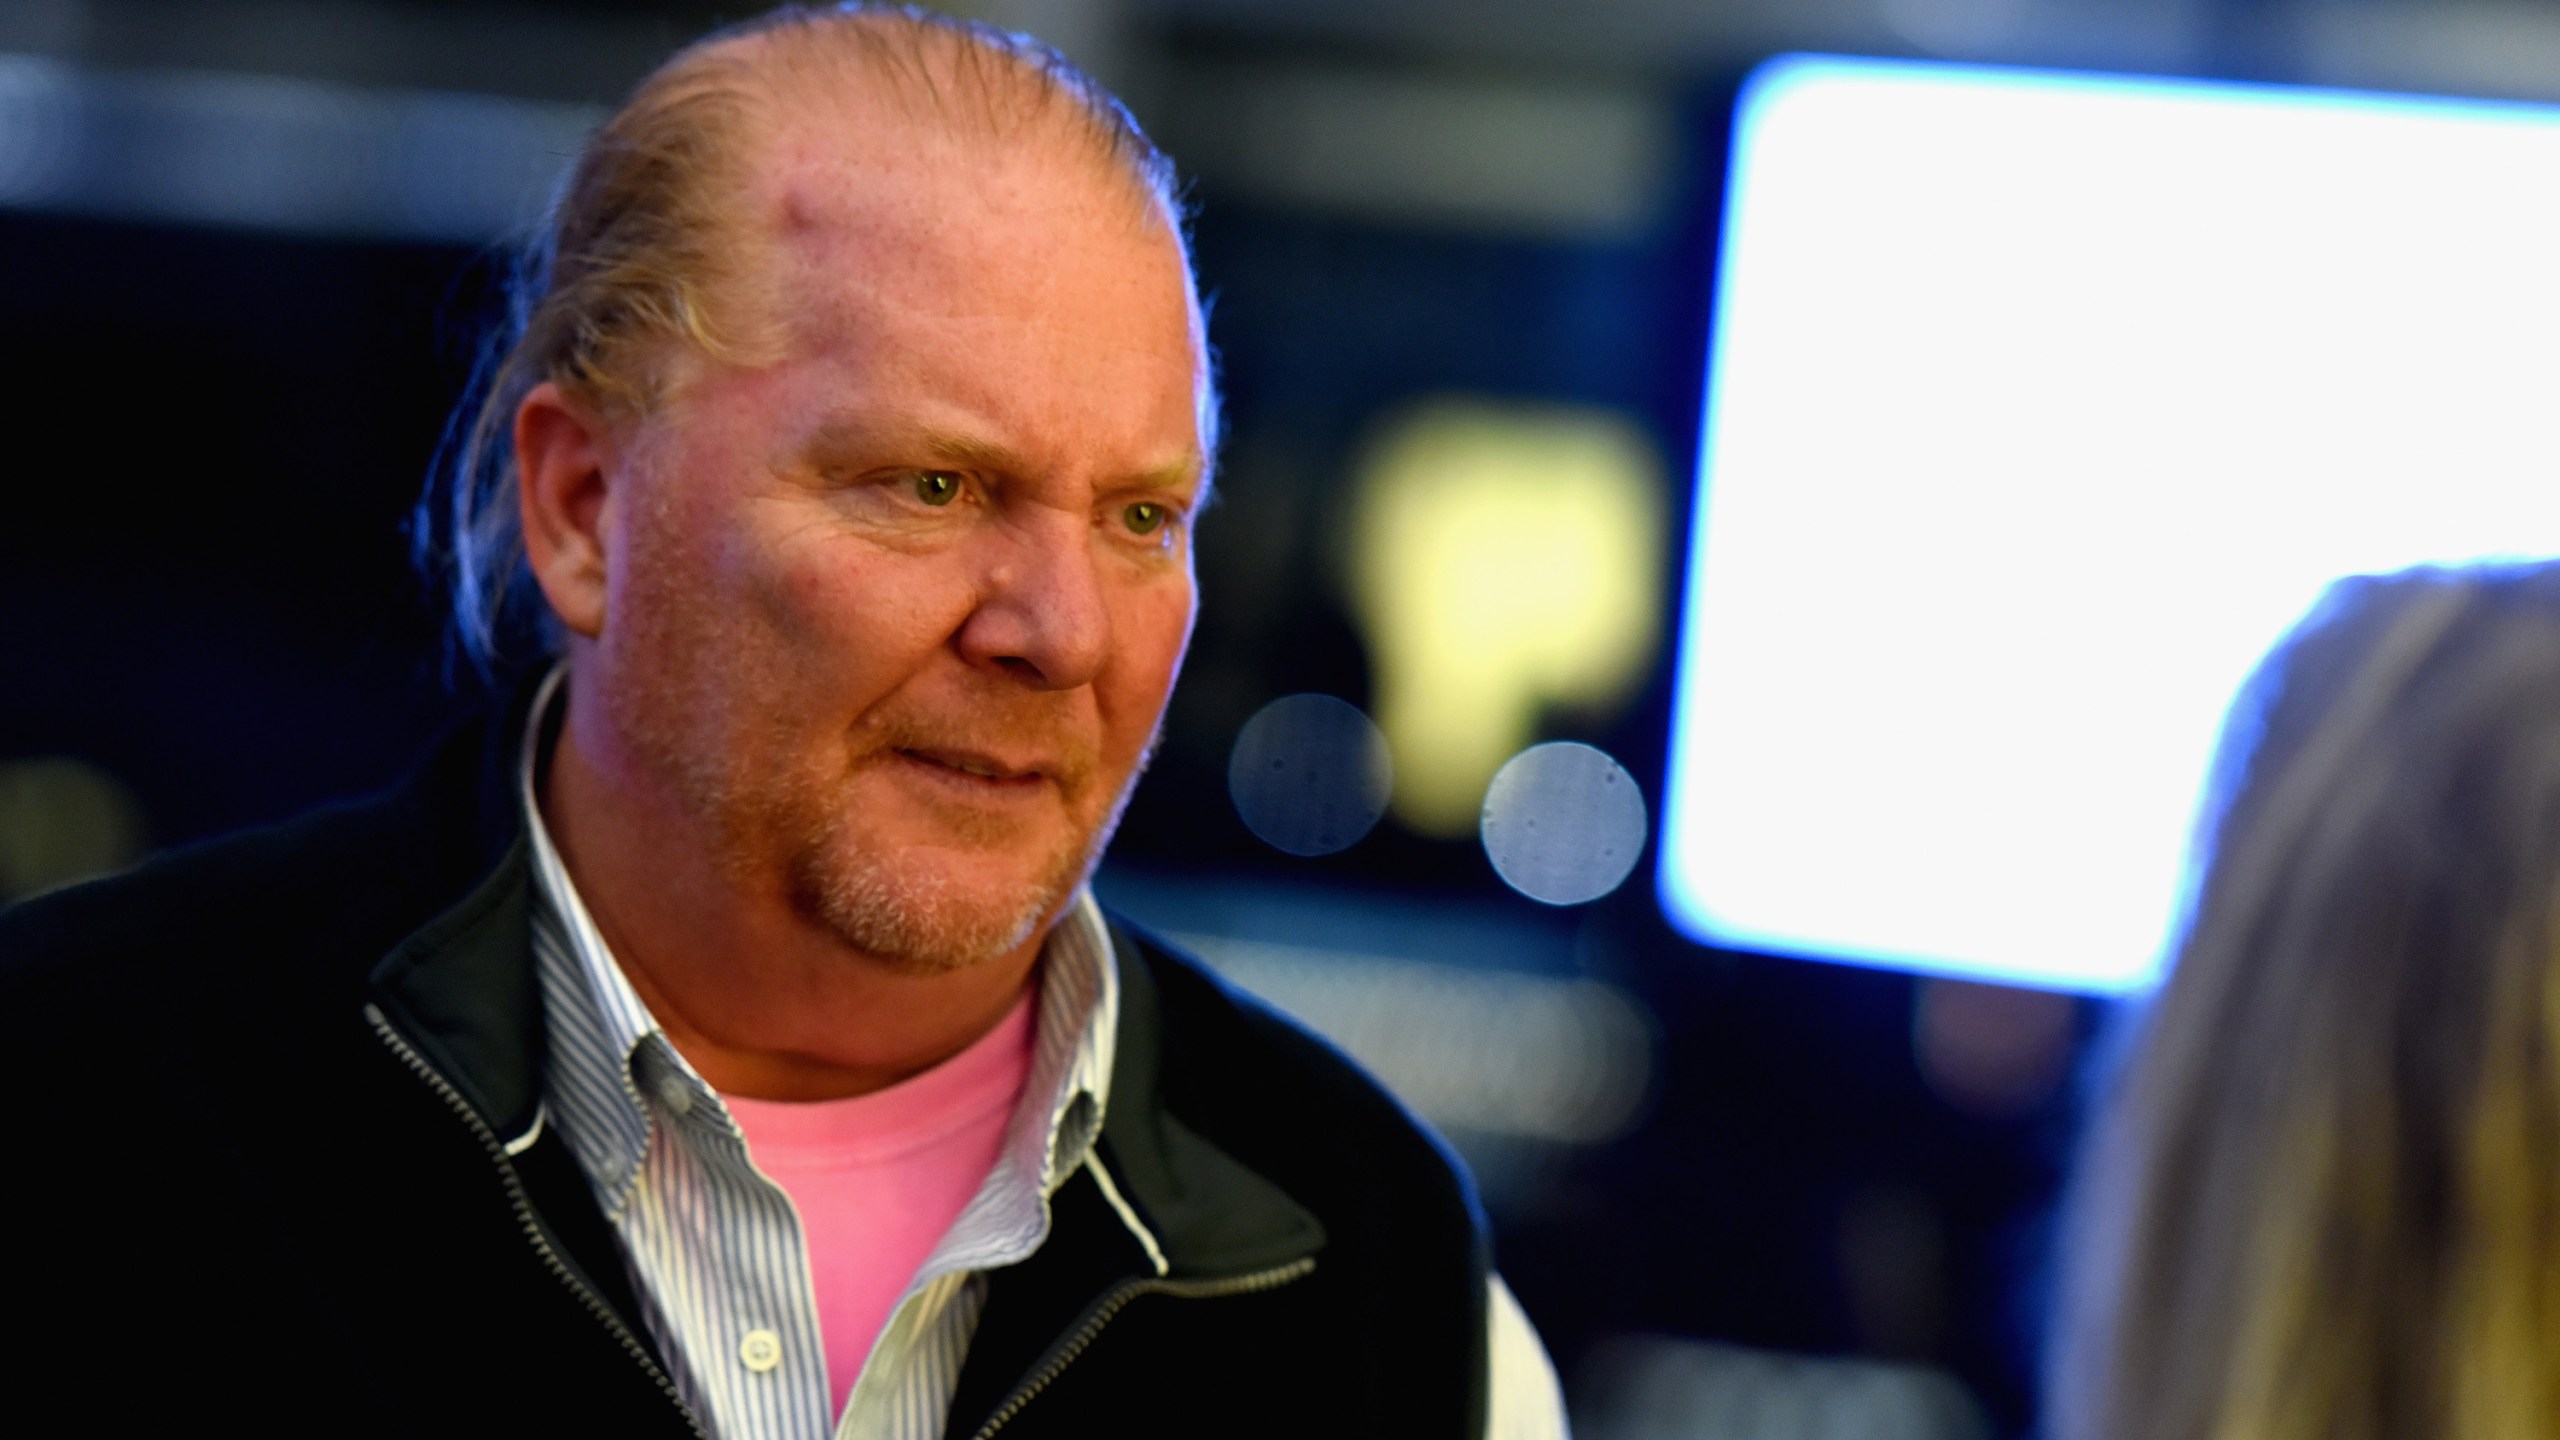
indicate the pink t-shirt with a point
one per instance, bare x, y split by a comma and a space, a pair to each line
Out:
879, 1178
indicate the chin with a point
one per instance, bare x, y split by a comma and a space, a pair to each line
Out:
924, 895
914, 913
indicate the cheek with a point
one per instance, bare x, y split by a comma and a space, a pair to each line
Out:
664, 576
1151, 632
849, 601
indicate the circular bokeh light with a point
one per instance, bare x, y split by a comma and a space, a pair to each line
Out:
1563, 823
1309, 774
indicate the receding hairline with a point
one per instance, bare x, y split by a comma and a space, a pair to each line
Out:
930, 78
912, 91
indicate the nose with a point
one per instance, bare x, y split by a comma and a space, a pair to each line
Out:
1042, 617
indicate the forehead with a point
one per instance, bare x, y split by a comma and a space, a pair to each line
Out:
1016, 287
869, 213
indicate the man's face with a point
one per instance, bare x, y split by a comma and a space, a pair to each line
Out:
892, 621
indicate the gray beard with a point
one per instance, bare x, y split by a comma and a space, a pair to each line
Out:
907, 916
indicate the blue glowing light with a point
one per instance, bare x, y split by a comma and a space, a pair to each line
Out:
2039, 405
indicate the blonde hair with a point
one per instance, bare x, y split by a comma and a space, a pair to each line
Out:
2323, 1199
637, 268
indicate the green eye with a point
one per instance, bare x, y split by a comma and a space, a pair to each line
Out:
937, 487
1144, 518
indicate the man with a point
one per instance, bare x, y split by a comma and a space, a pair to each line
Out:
725, 1042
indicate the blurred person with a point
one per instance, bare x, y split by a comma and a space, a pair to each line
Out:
724, 1039
2323, 1196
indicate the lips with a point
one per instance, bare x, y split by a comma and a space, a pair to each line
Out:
976, 765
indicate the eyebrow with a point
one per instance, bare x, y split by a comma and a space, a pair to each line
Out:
845, 434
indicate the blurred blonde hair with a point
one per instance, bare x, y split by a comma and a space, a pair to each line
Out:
2323, 1199
643, 265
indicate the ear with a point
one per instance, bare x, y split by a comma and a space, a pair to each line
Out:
564, 469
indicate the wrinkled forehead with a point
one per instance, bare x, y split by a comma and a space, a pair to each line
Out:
854, 200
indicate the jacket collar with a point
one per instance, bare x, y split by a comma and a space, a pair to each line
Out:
461, 987
1210, 1213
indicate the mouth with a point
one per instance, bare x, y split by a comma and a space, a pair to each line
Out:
975, 770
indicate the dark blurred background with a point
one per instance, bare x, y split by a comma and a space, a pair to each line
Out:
246, 247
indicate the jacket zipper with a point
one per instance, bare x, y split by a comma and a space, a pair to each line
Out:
525, 1218
1109, 1303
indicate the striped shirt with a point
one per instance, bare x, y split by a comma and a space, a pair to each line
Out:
717, 1252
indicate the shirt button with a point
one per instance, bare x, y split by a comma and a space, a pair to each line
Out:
761, 1350
673, 1094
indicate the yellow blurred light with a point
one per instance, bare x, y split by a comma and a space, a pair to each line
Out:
1504, 558
63, 820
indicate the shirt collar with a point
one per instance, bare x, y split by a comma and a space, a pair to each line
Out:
610, 1072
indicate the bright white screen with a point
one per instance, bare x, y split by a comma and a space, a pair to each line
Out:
2039, 406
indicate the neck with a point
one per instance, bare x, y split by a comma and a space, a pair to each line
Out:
760, 1000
